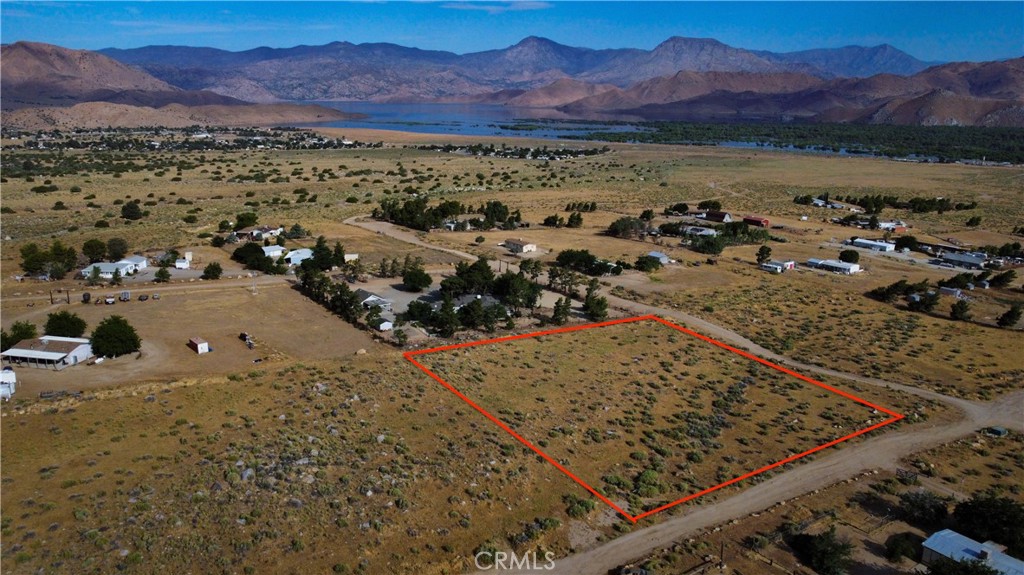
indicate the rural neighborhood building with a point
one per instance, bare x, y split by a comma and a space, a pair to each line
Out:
897, 226
296, 257
873, 245
370, 299
834, 266
258, 233
107, 269
661, 257
758, 221
699, 231
952, 545
778, 267
382, 324
713, 216
351, 257
49, 351
955, 292
182, 264
464, 300
274, 251
966, 260
519, 246
199, 345
140, 262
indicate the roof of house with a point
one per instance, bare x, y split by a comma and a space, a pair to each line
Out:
658, 255
364, 295
197, 340
135, 260
716, 214
273, 249
518, 242
300, 253
48, 347
960, 547
379, 321
963, 258
108, 267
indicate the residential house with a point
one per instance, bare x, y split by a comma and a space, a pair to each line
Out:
699, 231
873, 245
140, 262
274, 251
107, 269
715, 216
835, 266
296, 257
519, 246
370, 299
49, 351
952, 545
965, 260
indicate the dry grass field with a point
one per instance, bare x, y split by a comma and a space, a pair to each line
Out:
320, 457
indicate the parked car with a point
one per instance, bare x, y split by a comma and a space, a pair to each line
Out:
143, 297
156, 296
110, 300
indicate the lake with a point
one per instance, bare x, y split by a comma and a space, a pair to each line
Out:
470, 120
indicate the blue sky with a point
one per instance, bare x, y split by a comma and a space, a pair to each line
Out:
942, 31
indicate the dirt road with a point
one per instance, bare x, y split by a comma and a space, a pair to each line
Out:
841, 463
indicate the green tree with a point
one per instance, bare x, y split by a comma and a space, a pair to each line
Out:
1003, 279
447, 320
960, 311
416, 279
987, 517
19, 330
117, 248
974, 221
64, 324
114, 336
647, 215
1011, 317
849, 256
764, 253
563, 308
131, 211
115, 278
245, 220
909, 242
162, 275
322, 256
95, 250
94, 278
713, 205
338, 255
647, 264
212, 271
923, 508
472, 315
925, 304
825, 553
575, 220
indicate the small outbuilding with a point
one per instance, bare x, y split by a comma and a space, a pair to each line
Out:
199, 345
382, 324
661, 257
757, 221
274, 251
716, 216
519, 246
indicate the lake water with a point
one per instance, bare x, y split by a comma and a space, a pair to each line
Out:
468, 119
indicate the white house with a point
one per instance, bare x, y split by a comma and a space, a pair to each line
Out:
700, 231
778, 267
873, 245
296, 257
49, 351
836, 266
519, 246
107, 269
370, 299
274, 251
140, 262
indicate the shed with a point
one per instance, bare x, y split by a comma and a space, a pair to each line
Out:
759, 221
661, 257
952, 545
199, 345
873, 245
836, 266
8, 383
182, 264
382, 324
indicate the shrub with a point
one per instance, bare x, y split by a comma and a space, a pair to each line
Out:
114, 336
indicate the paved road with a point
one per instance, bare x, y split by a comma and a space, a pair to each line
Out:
882, 452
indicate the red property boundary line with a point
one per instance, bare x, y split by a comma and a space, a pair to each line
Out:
410, 355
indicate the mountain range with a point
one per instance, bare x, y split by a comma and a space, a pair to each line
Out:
680, 79
342, 71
